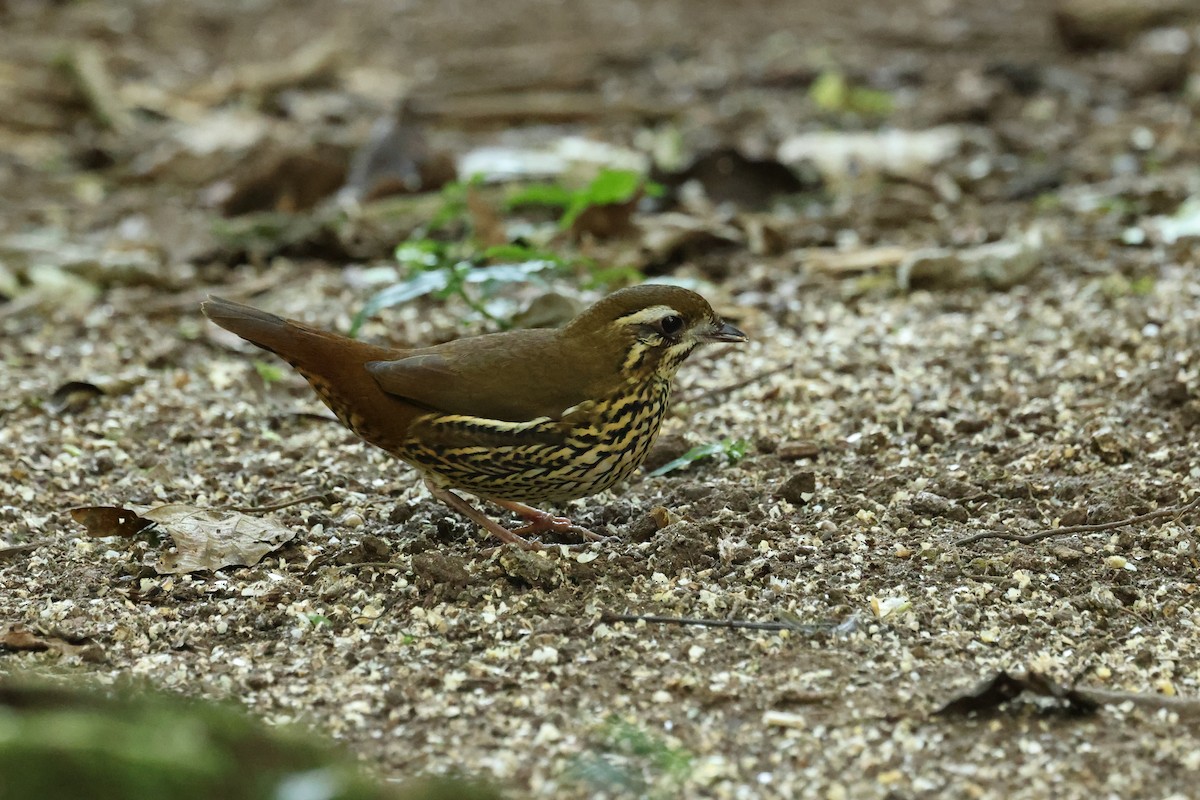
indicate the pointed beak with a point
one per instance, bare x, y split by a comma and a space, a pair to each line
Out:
724, 332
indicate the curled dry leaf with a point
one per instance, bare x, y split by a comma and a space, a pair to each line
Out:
607, 220
74, 396
104, 521
397, 159
18, 638
1002, 686
672, 237
205, 539
664, 516
284, 181
729, 176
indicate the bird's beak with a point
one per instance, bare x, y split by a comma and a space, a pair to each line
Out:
724, 332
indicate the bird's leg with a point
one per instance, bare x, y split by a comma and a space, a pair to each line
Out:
543, 522
478, 517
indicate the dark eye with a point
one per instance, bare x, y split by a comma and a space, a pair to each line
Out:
670, 325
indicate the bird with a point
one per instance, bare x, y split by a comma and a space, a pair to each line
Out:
516, 417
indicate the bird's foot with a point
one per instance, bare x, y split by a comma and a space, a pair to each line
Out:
479, 518
539, 521
545, 522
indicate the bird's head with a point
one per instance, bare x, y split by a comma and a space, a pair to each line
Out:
654, 327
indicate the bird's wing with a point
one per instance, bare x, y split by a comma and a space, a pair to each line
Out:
515, 377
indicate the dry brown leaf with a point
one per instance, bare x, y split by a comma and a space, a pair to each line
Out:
104, 521
728, 176
285, 181
1002, 686
18, 638
485, 219
674, 236
207, 539
75, 396
398, 159
607, 220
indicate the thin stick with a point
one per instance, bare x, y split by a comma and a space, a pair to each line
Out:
708, 623
308, 498
17, 549
706, 394
1172, 511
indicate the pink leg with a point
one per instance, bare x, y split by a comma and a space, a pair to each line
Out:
543, 522
479, 518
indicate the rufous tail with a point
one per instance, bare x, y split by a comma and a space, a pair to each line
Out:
331, 363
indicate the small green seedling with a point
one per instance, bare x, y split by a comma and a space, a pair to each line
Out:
609, 187
270, 373
733, 450
447, 269
832, 92
632, 761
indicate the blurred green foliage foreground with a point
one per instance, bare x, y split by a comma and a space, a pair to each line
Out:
126, 745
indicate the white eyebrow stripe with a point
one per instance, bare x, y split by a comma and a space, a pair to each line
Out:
651, 314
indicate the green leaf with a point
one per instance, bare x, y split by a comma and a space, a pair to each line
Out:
418, 285
421, 254
733, 450
829, 91
832, 92
539, 194
870, 102
610, 187
454, 206
510, 273
603, 277
270, 373
449, 280
521, 252
613, 186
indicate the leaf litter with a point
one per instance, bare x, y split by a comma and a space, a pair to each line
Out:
911, 420
204, 539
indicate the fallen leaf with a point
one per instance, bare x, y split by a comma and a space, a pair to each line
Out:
286, 182
728, 176
607, 220
486, 222
674, 237
18, 638
664, 516
74, 396
839, 155
206, 539
1002, 686
104, 521
396, 158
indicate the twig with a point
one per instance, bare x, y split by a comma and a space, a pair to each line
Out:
308, 498
709, 623
95, 82
191, 298
1171, 511
1186, 707
705, 394
17, 549
379, 564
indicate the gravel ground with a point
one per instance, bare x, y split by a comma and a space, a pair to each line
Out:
884, 427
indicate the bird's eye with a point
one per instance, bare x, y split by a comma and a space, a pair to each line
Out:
670, 325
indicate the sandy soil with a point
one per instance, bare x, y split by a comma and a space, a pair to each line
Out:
996, 393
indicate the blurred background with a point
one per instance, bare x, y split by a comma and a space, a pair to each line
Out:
137, 123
